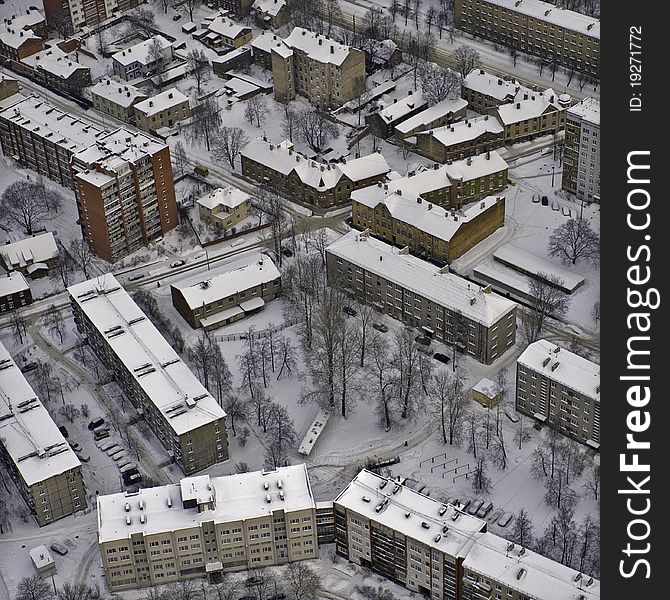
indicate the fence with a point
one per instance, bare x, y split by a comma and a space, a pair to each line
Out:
256, 335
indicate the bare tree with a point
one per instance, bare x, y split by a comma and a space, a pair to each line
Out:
220, 372
467, 58
365, 315
348, 343
592, 484
199, 66
54, 321
498, 451
75, 591
34, 588
179, 158
573, 241
332, 11
281, 436
481, 482
265, 581
321, 243
27, 204
382, 380
522, 533
289, 123
81, 255
595, 312
438, 84
546, 300
449, 402
521, 435
189, 5
315, 129
228, 144
85, 410
201, 355
406, 360
206, 123
19, 326
588, 547
70, 412
302, 581
431, 17
235, 408
157, 57
287, 356
141, 20
256, 110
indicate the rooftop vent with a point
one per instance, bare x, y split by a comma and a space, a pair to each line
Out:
408, 515
437, 538
555, 365
141, 504
170, 95
268, 498
425, 525
128, 520
366, 499
281, 495
279, 483
445, 528
545, 362
266, 485
127, 507
143, 518
169, 502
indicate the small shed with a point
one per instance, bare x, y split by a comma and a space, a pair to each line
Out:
43, 561
487, 393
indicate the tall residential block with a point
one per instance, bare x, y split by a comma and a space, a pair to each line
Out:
205, 526
581, 155
180, 411
37, 457
73, 15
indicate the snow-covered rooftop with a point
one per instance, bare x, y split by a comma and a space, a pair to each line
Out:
41, 557
284, 159
160, 372
139, 52
425, 216
27, 432
474, 167
545, 11
588, 110
563, 366
14, 36
320, 48
466, 130
27, 19
422, 278
54, 61
13, 283
528, 573
229, 197
478, 80
486, 387
406, 510
400, 108
123, 94
34, 249
159, 102
269, 7
423, 119
258, 271
528, 105
236, 498
227, 27
265, 41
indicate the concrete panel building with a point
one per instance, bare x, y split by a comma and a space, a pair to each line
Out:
561, 389
205, 526
117, 99
228, 296
581, 154
73, 15
568, 38
473, 319
45, 470
182, 414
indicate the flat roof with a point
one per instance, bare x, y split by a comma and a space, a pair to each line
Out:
236, 498
588, 110
163, 376
563, 366
421, 278
27, 431
406, 510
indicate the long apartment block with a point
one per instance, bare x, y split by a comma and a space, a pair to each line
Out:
560, 388
581, 154
183, 415
568, 38
37, 457
475, 320
205, 526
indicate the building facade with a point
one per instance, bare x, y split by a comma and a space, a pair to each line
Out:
224, 208
117, 99
473, 320
205, 526
565, 37
229, 296
183, 415
141, 59
162, 110
560, 388
327, 73
17, 42
72, 15
14, 292
581, 154
44, 468
57, 70
446, 111
531, 115
384, 121
299, 178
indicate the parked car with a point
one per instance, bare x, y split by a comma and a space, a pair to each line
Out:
423, 339
176, 263
176, 17
485, 509
441, 357
350, 311
64, 431
100, 434
130, 477
95, 423
253, 580
136, 277
504, 520
58, 548
83, 457
512, 416
545, 201
201, 170
380, 327
76, 447
475, 506
31, 366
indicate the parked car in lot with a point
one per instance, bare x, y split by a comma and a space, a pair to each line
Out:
176, 17
511, 416
95, 423
441, 357
350, 311
31, 366
83, 457
504, 520
176, 263
423, 339
136, 277
76, 447
64, 431
130, 477
100, 434
58, 548
380, 327
475, 506
485, 509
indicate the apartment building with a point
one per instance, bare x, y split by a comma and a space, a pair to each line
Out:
475, 320
9, 86
270, 13
17, 41
412, 539
125, 192
496, 568
162, 110
485, 92
228, 296
446, 111
299, 178
45, 470
401, 217
224, 208
32, 256
327, 73
460, 140
141, 59
390, 115
531, 115
554, 34
14, 291
183, 415
561, 389
223, 32
205, 526
57, 70
261, 48
581, 154
117, 99
74, 15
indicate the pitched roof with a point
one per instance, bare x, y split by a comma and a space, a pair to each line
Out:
318, 47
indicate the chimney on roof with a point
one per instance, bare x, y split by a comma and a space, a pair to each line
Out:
488, 155
151, 102
551, 99
332, 49
525, 96
500, 81
518, 105
320, 42
469, 161
170, 95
